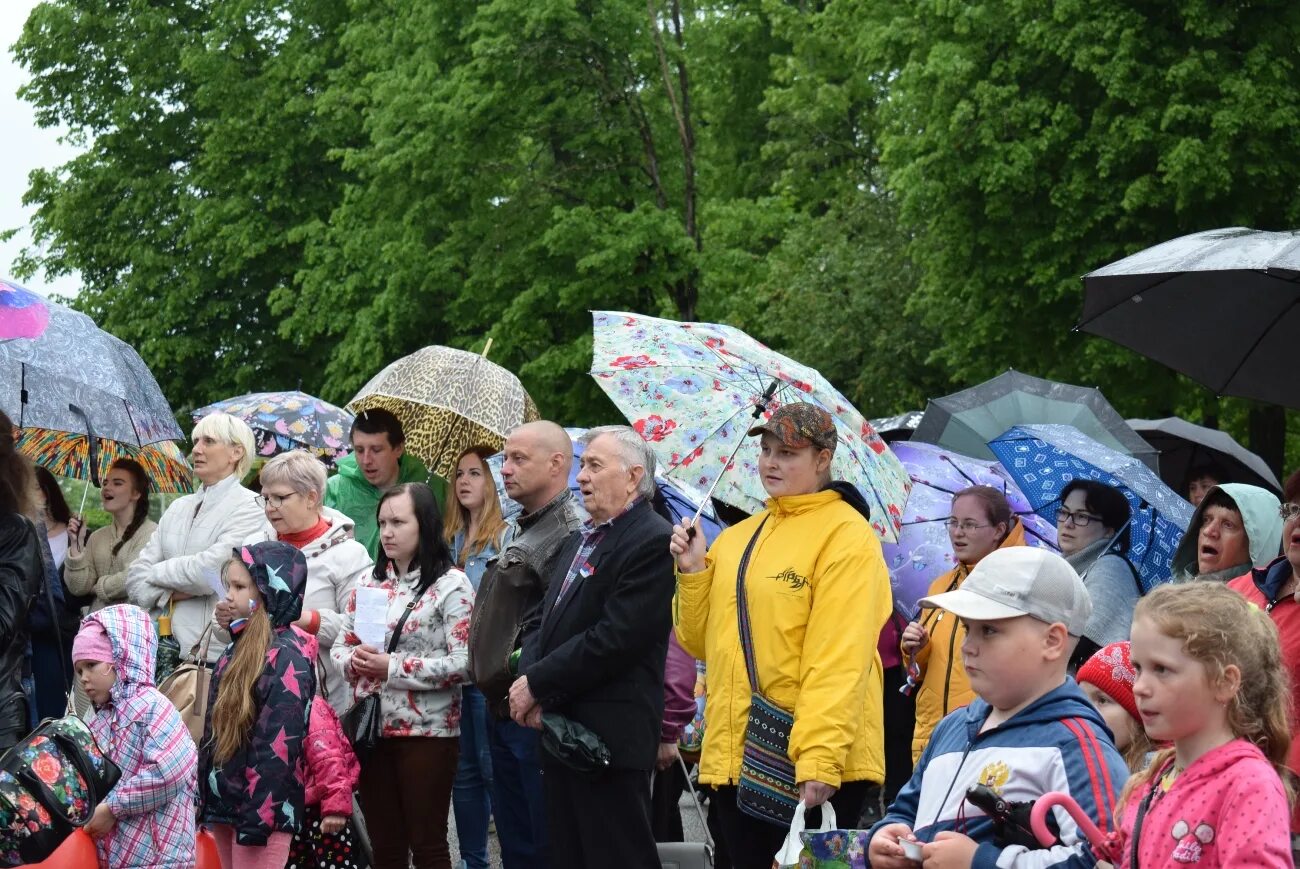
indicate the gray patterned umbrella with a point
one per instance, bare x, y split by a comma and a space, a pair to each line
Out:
74, 377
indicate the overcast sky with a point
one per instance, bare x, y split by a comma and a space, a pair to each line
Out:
23, 147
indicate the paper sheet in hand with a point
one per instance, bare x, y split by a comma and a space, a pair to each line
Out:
214, 582
370, 623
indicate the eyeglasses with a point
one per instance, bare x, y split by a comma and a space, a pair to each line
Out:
1288, 511
1079, 519
953, 524
275, 501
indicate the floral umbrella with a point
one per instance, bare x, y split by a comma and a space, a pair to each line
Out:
691, 389
923, 550
68, 455
283, 421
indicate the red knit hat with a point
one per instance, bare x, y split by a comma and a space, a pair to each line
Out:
1112, 672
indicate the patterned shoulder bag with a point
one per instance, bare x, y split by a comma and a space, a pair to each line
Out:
767, 786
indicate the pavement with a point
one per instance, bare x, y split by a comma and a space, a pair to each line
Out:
691, 826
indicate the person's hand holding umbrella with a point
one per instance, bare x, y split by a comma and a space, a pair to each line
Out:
687, 548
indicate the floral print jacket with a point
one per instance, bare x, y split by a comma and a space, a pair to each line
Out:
421, 696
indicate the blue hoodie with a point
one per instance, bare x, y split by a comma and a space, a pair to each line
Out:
1057, 743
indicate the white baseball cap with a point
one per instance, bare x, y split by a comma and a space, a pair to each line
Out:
1020, 581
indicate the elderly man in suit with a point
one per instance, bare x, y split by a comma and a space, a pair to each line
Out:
598, 658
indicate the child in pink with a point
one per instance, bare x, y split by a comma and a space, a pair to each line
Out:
1210, 683
331, 776
147, 821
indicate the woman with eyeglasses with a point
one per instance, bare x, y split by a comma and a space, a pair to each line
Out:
1092, 531
981, 522
293, 491
1276, 590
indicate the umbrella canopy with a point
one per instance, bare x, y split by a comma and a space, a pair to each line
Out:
448, 400
1184, 445
690, 389
68, 455
679, 503
899, 427
74, 377
1220, 306
966, 421
1042, 459
923, 550
283, 421
23, 314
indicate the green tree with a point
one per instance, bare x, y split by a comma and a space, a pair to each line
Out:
202, 157
1030, 142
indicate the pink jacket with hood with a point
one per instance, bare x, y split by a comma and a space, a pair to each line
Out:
332, 768
142, 733
1228, 809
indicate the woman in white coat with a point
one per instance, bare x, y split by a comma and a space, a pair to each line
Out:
293, 489
196, 534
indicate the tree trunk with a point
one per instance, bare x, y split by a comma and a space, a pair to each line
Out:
1268, 436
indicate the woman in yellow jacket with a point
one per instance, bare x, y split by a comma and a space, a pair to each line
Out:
818, 595
981, 522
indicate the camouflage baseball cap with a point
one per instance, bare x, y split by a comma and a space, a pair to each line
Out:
800, 425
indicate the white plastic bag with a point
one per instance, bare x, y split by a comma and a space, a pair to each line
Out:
788, 856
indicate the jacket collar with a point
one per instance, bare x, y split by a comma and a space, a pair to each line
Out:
1269, 580
524, 520
795, 505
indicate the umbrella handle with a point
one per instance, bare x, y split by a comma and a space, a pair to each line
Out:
1038, 821
92, 449
758, 411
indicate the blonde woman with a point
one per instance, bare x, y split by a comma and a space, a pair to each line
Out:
474, 532
178, 565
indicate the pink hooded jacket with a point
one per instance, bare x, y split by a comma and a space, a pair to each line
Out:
1228, 809
332, 768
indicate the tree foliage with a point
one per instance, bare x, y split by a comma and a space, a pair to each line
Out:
902, 194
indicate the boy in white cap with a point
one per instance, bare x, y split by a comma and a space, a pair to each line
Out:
1030, 732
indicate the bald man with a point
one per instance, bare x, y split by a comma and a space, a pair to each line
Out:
538, 457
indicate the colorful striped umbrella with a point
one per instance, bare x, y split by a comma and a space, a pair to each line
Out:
66, 455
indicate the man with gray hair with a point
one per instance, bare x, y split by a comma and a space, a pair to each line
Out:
598, 657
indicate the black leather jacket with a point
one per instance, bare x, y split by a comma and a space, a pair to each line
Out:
21, 570
507, 606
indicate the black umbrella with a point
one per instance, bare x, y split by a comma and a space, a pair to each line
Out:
1184, 446
966, 421
1221, 306
899, 427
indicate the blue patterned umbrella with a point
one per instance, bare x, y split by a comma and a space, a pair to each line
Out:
1042, 459
61, 372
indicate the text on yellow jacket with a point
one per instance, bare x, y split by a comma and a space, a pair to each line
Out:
818, 595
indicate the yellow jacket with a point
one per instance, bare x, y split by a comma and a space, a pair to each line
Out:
818, 595
944, 686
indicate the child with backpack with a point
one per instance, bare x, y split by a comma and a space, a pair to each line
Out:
147, 820
1107, 679
1030, 730
1210, 682
251, 767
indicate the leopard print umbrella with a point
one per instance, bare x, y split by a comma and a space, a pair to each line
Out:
448, 401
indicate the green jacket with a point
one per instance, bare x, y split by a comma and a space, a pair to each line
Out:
352, 494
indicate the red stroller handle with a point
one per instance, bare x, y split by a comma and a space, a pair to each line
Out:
1101, 843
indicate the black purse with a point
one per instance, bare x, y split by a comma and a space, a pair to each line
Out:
363, 724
